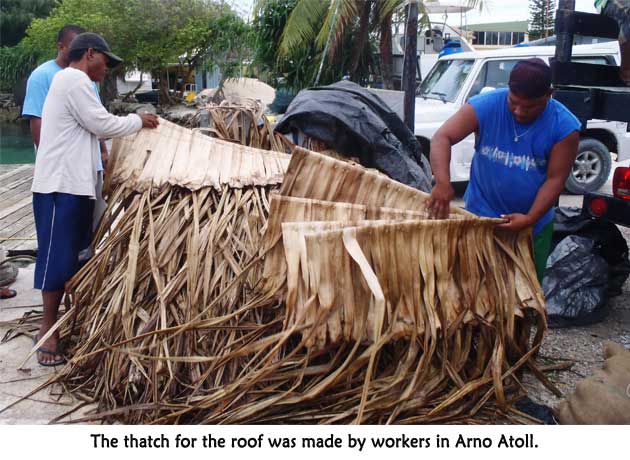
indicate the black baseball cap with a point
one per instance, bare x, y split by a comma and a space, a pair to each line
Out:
95, 41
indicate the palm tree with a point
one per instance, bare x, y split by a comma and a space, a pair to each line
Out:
324, 22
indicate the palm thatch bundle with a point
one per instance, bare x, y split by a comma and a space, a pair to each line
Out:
244, 124
462, 297
211, 300
172, 247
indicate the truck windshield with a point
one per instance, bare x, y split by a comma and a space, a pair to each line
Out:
446, 79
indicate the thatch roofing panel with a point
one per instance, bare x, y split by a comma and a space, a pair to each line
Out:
179, 156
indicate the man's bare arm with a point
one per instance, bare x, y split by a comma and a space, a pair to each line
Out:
561, 161
36, 129
453, 131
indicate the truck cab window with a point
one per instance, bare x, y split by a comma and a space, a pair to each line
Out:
493, 74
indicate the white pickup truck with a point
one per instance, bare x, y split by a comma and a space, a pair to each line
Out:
457, 77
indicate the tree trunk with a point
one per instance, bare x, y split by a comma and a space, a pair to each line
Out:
127, 96
192, 64
361, 39
386, 53
411, 60
165, 96
109, 88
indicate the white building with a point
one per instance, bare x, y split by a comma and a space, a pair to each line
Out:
131, 81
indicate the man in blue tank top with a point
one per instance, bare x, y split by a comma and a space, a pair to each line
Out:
525, 146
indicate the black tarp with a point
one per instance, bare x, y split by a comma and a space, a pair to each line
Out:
357, 123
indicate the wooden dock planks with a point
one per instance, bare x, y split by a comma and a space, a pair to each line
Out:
17, 226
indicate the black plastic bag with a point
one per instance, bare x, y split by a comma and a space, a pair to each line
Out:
588, 264
541, 412
575, 283
358, 123
609, 243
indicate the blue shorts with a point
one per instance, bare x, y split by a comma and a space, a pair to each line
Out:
64, 227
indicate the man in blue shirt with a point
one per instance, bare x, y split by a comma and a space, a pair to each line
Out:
39, 83
40, 79
525, 147
36, 90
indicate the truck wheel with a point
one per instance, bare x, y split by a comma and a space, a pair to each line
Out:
591, 168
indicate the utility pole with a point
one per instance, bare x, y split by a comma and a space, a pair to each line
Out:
409, 67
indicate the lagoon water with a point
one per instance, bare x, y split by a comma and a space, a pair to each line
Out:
16, 145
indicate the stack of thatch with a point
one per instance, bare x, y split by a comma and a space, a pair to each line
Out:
177, 244
244, 124
354, 306
434, 309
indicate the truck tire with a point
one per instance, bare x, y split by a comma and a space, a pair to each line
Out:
591, 168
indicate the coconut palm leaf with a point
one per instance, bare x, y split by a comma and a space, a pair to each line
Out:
385, 8
340, 13
303, 25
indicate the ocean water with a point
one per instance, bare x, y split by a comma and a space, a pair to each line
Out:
16, 145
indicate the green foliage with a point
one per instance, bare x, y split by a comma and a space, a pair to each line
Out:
15, 63
303, 24
287, 51
290, 36
16, 15
226, 43
542, 14
270, 18
148, 34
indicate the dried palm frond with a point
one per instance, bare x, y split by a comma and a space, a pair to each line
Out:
290, 209
381, 282
242, 124
178, 242
175, 156
397, 319
321, 177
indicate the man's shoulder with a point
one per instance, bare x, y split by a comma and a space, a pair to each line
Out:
45, 71
71, 76
38, 87
485, 104
489, 97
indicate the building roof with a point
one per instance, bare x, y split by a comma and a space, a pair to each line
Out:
513, 26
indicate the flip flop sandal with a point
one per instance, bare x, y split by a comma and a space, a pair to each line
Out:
57, 362
6, 293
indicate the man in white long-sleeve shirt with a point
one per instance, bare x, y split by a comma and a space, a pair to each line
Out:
73, 120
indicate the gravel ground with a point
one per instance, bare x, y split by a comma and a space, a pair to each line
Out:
583, 346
